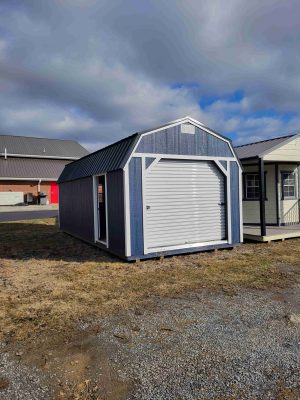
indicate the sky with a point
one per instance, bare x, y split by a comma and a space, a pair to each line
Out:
98, 70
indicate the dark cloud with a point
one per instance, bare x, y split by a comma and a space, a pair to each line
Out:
98, 70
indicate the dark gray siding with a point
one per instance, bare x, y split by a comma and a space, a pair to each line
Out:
115, 211
136, 206
76, 210
172, 141
235, 203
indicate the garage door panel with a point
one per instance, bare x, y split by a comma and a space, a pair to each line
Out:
184, 203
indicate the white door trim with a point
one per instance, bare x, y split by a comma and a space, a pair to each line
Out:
96, 210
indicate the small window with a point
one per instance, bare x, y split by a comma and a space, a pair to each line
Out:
288, 185
187, 128
252, 186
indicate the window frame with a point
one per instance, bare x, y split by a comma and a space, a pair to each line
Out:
283, 197
245, 198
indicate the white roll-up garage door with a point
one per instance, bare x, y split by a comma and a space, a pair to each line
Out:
184, 204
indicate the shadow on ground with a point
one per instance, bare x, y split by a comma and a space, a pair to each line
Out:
43, 240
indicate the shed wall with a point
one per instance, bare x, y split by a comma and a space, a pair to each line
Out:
76, 210
115, 211
251, 212
172, 141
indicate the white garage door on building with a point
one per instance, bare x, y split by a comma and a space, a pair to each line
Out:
185, 204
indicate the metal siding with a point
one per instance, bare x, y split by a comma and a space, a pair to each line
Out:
76, 210
110, 158
31, 168
136, 206
36, 146
184, 203
172, 141
115, 211
235, 203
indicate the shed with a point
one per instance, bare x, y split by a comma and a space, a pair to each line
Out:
271, 188
169, 190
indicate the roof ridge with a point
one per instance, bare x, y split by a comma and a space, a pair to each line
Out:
38, 137
266, 140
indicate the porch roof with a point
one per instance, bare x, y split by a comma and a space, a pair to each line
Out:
261, 148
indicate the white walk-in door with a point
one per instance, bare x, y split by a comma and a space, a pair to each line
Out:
184, 204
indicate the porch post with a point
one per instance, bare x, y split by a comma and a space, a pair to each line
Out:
277, 195
262, 197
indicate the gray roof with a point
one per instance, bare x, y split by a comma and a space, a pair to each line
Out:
255, 149
41, 147
38, 168
109, 158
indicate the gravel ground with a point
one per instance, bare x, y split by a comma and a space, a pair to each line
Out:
23, 382
204, 345
209, 346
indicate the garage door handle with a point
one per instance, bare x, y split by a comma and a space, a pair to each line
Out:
148, 207
221, 204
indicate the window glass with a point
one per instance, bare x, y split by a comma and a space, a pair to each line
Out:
288, 185
252, 186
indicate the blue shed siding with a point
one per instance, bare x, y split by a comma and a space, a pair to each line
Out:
149, 161
115, 212
136, 206
172, 141
235, 203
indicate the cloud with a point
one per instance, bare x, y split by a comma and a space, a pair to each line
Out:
98, 70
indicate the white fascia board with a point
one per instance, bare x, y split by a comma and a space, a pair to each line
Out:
288, 140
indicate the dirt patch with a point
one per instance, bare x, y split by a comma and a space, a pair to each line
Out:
4, 383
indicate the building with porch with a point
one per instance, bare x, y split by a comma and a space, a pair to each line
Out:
271, 183
30, 166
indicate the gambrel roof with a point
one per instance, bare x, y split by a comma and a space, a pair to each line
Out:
116, 155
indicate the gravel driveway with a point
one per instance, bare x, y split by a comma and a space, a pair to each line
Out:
203, 345
210, 346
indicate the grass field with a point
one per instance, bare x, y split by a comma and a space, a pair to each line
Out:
51, 281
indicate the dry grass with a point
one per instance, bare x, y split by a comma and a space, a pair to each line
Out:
50, 281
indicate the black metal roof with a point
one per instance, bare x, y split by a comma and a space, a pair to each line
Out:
35, 168
41, 147
110, 158
254, 149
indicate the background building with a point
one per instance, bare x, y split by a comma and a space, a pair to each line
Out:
30, 165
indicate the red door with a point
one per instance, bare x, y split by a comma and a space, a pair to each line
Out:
53, 193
